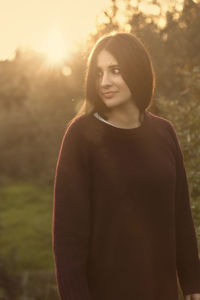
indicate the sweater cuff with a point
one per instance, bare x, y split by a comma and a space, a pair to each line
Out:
73, 285
190, 280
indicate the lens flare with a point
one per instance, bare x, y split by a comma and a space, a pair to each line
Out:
55, 47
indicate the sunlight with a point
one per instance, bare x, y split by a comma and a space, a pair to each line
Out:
54, 47
151, 9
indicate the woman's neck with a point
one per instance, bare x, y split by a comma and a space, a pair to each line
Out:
126, 117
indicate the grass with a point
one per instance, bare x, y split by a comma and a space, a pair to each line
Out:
25, 226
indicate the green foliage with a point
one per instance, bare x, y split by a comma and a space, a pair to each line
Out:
25, 213
36, 102
25, 242
184, 113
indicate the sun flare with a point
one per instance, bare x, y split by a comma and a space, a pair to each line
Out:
55, 47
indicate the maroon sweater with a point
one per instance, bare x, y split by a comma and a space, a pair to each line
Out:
122, 226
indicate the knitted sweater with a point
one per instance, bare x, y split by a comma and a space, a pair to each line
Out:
122, 222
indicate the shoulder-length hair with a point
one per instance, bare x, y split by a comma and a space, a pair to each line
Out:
135, 67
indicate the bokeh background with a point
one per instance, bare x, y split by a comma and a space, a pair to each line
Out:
43, 54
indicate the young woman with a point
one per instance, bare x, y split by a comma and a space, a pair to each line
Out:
123, 228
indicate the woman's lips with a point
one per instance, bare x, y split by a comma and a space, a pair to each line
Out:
108, 94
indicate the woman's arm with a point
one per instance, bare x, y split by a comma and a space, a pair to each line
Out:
71, 216
188, 264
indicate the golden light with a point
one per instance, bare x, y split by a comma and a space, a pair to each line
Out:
66, 71
162, 22
55, 47
149, 8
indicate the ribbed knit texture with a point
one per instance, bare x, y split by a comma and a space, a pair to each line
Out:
122, 222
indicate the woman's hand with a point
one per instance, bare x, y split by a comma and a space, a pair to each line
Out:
192, 297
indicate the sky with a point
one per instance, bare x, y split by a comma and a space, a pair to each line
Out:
31, 22
44, 24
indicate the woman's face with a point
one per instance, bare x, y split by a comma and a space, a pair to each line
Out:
111, 87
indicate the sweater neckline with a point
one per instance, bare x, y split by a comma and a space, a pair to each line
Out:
123, 131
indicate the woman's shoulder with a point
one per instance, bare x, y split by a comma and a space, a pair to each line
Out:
76, 120
77, 123
162, 124
166, 128
78, 126
160, 120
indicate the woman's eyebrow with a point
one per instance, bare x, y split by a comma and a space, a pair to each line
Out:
110, 66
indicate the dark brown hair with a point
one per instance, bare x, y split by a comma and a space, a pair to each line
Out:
135, 67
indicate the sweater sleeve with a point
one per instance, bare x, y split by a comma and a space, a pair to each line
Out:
187, 259
71, 216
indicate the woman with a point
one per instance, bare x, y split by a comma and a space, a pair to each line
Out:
123, 227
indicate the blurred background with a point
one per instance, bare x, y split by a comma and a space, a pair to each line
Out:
43, 53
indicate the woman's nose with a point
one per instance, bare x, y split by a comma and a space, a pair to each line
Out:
105, 80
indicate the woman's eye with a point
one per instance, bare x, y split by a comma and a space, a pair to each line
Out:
116, 71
